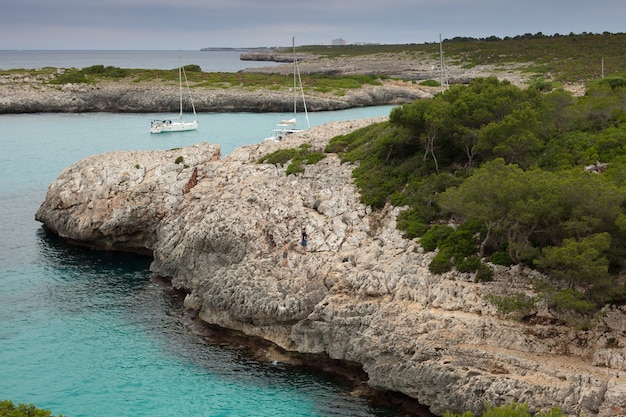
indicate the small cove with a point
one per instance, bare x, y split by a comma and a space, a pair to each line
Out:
87, 333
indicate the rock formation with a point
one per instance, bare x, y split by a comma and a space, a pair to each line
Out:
361, 294
31, 95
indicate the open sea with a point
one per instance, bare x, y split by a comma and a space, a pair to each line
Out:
87, 333
209, 61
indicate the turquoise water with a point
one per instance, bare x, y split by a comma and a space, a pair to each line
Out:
85, 333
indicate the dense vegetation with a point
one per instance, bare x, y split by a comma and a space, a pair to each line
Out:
563, 58
295, 158
510, 410
199, 79
567, 58
489, 171
8, 409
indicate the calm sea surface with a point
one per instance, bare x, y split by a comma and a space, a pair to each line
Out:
209, 61
85, 333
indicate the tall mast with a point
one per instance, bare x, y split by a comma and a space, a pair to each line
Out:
295, 67
441, 79
180, 86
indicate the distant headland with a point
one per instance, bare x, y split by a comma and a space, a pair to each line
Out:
252, 49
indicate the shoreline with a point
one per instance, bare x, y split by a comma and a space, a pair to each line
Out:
362, 294
33, 96
400, 83
262, 350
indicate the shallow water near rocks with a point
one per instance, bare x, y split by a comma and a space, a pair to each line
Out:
87, 333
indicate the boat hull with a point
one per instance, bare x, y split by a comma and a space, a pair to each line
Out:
289, 126
162, 126
282, 131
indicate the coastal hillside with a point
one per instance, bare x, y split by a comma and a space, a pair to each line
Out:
466, 250
333, 77
361, 294
563, 60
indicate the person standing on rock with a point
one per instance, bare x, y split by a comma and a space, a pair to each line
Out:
303, 241
286, 254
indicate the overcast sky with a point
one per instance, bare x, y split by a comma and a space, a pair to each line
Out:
194, 24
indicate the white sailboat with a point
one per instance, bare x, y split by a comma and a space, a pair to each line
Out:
288, 126
179, 125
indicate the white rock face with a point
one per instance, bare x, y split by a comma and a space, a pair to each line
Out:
361, 293
115, 200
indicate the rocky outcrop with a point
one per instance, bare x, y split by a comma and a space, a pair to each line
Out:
30, 95
108, 201
361, 293
275, 56
401, 74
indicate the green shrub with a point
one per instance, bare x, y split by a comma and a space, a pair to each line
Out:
71, 76
569, 299
298, 157
516, 306
338, 144
461, 243
430, 83
179, 160
435, 236
613, 82
501, 258
514, 409
192, 68
465, 414
441, 263
279, 157
94, 69
484, 273
108, 71
313, 158
468, 264
543, 85
294, 168
509, 410
412, 223
8, 409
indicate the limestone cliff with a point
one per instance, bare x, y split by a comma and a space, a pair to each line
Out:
361, 293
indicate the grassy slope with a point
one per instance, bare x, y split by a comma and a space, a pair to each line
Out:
572, 58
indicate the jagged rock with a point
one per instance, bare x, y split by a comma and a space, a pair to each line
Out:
361, 294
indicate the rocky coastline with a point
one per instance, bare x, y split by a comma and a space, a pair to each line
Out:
26, 93
362, 294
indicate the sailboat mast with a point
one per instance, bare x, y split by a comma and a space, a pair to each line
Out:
295, 67
180, 86
306, 114
441, 76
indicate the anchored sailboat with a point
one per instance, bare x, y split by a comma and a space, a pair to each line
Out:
288, 126
168, 125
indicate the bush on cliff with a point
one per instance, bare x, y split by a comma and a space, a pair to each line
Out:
296, 158
510, 410
8, 409
89, 75
542, 176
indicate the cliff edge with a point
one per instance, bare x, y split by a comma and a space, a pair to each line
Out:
361, 293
